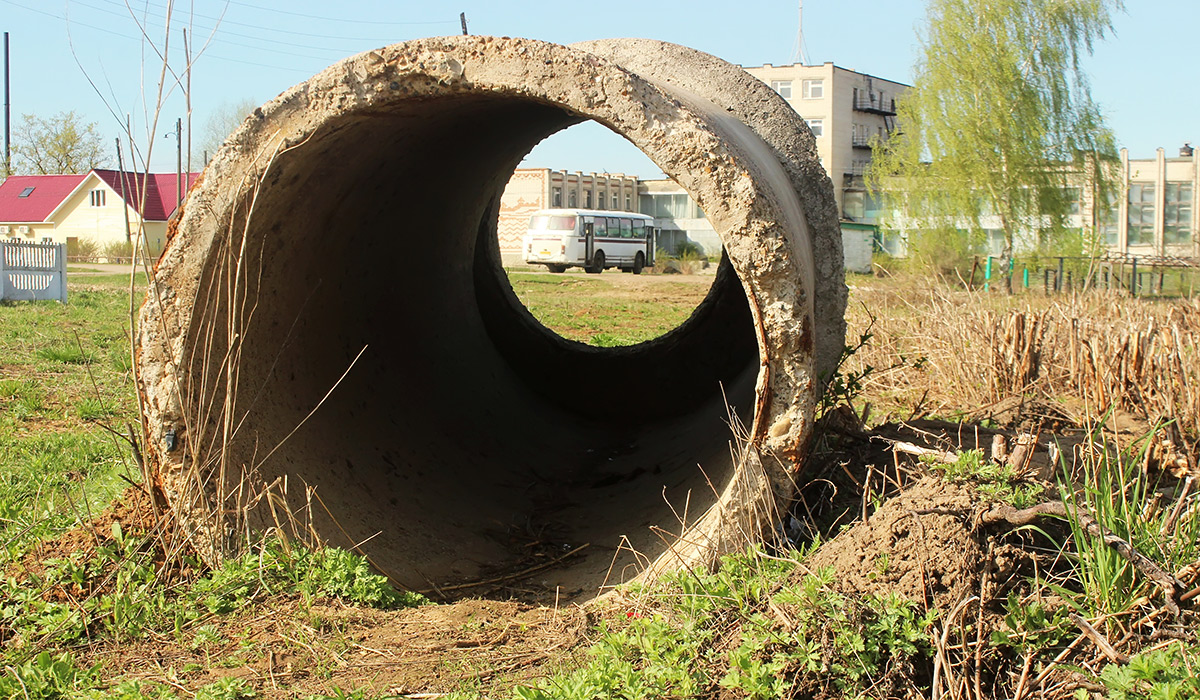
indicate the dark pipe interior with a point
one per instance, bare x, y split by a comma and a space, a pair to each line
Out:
470, 438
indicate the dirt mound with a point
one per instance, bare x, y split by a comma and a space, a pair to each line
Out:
918, 545
132, 514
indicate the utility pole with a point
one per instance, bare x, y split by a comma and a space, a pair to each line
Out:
187, 95
462, 17
178, 162
125, 195
7, 118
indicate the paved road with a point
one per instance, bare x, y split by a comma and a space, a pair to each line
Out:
97, 269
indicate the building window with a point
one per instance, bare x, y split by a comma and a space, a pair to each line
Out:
571, 200
628, 203
860, 135
814, 89
1110, 217
587, 199
816, 126
1073, 196
25, 192
1141, 213
556, 197
854, 205
669, 206
615, 200
1177, 213
783, 87
97, 198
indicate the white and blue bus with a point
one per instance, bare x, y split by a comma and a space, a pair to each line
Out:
591, 239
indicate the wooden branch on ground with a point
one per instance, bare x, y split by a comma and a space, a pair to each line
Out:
909, 448
1099, 640
1171, 586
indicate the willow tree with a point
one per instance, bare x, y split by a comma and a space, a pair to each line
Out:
999, 126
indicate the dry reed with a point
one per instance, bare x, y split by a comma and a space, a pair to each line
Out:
979, 354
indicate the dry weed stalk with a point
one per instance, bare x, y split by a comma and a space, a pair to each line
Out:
1086, 355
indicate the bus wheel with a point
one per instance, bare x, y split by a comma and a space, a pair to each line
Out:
597, 263
639, 262
557, 268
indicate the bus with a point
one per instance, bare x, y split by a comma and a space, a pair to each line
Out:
591, 239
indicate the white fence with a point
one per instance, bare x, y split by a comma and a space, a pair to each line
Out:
31, 271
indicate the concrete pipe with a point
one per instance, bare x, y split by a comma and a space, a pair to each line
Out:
331, 347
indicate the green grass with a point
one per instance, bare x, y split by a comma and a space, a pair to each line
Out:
1114, 489
753, 627
59, 463
593, 310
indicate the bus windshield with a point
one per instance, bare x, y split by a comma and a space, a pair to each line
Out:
552, 223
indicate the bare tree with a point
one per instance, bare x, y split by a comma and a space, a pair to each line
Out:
59, 144
221, 122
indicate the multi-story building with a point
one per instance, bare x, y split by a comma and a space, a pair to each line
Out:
1155, 211
530, 189
844, 110
1150, 213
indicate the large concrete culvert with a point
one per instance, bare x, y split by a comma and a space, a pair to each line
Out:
330, 343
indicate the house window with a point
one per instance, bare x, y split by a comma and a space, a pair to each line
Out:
814, 89
816, 126
783, 87
1141, 213
96, 197
26, 192
556, 196
1177, 213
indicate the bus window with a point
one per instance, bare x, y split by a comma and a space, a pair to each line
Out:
601, 228
639, 229
552, 223
626, 228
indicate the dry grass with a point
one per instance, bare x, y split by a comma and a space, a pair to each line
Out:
935, 351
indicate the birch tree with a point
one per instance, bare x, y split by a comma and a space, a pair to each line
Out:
998, 124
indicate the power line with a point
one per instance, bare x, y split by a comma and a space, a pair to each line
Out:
259, 27
134, 38
160, 23
337, 19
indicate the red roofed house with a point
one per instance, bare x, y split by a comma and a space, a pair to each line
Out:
91, 207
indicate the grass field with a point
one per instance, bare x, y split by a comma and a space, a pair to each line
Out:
64, 372
947, 593
611, 309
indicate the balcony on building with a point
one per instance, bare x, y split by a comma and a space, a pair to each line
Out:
874, 102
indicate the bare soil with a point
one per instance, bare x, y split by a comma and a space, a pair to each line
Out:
289, 650
919, 545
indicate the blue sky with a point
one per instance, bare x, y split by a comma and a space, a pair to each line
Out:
1140, 75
